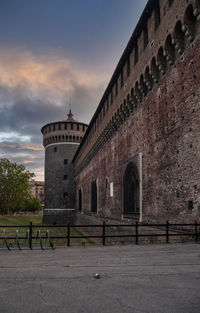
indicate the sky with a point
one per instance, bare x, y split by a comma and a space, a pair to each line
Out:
52, 50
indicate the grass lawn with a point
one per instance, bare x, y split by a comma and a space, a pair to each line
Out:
20, 220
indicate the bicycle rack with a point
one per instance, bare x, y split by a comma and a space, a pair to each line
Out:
17, 240
5, 240
15, 244
38, 237
48, 239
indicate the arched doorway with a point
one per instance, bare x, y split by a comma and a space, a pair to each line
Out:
80, 200
131, 191
94, 196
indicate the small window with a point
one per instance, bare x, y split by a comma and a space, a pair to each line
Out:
54, 127
136, 54
122, 79
145, 36
65, 194
65, 126
59, 126
65, 177
116, 89
128, 66
83, 128
170, 2
157, 13
55, 149
65, 161
72, 125
77, 126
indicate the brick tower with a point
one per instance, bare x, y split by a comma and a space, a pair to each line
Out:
61, 140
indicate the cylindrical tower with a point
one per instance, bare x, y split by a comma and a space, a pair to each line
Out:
61, 140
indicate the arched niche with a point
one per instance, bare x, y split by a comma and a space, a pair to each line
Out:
189, 25
161, 61
169, 51
178, 38
142, 86
138, 94
154, 71
148, 79
131, 192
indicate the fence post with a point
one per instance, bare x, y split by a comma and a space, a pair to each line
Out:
30, 235
136, 232
68, 235
104, 233
196, 232
167, 232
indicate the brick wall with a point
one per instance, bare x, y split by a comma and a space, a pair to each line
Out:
161, 123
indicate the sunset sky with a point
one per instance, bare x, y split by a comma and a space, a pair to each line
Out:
51, 50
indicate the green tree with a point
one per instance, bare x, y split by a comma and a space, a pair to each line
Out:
32, 204
14, 185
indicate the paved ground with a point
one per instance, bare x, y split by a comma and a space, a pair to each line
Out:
135, 279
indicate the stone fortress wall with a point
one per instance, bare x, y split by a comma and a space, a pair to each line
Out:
140, 156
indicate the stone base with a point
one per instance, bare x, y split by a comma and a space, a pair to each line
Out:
59, 216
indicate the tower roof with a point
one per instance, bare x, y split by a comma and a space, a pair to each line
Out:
70, 117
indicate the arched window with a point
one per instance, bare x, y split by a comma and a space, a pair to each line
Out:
131, 204
157, 13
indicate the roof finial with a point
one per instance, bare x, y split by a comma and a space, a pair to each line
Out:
70, 104
70, 115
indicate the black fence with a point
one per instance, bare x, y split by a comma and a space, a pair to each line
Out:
32, 233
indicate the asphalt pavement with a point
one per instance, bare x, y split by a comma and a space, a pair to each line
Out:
110, 279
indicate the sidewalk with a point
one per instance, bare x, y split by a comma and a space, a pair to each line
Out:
133, 279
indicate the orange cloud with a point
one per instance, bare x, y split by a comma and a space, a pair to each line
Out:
33, 147
55, 76
22, 147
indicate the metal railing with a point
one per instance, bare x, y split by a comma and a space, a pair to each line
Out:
101, 231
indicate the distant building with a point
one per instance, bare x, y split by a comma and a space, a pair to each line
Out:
37, 190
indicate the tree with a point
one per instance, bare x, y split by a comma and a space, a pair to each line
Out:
14, 185
32, 204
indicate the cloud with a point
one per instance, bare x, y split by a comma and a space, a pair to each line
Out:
35, 90
52, 77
